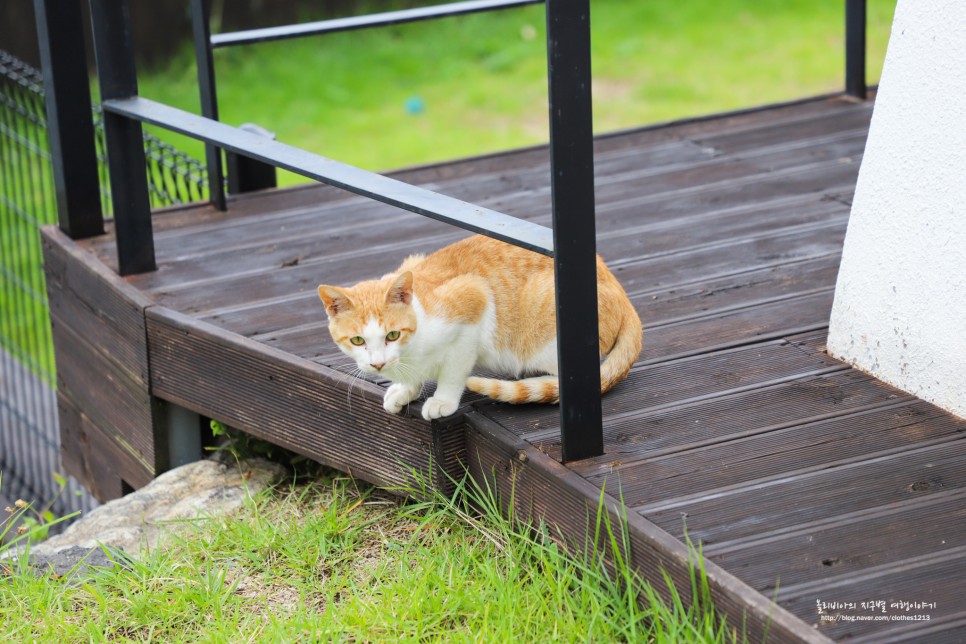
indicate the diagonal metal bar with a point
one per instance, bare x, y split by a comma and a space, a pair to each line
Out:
267, 34
362, 182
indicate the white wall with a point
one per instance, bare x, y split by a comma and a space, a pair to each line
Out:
900, 301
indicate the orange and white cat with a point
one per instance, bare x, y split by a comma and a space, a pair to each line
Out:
478, 303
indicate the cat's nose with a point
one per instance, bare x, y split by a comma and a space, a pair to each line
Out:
377, 365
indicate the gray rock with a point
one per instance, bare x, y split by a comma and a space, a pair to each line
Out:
75, 560
139, 521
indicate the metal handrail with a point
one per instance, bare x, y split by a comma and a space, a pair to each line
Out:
268, 34
205, 43
341, 175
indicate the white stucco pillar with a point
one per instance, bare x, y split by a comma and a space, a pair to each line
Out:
900, 300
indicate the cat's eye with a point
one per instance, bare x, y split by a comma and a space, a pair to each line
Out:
357, 340
392, 336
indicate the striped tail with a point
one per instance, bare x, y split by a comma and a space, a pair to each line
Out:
546, 389
540, 389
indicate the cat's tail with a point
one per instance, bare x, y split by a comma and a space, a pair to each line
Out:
626, 349
539, 389
546, 389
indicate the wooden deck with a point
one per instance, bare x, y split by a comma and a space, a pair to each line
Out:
803, 480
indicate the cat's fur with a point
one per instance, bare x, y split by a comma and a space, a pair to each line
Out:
476, 303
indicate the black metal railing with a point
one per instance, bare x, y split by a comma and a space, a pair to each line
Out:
570, 242
205, 43
855, 48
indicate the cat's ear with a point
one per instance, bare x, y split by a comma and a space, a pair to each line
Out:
335, 300
401, 291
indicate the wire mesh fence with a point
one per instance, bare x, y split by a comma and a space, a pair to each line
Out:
29, 434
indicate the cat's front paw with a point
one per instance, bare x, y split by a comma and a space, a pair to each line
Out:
397, 396
439, 407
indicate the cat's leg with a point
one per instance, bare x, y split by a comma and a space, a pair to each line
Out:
467, 304
450, 382
399, 395
446, 399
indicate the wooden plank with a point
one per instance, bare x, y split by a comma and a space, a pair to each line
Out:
727, 416
470, 179
307, 245
274, 303
280, 299
849, 543
787, 115
717, 227
542, 489
100, 306
117, 405
651, 484
819, 495
736, 141
501, 172
934, 580
291, 402
736, 291
762, 321
947, 629
301, 330
94, 457
307, 232
706, 263
108, 420
521, 170
692, 379
636, 204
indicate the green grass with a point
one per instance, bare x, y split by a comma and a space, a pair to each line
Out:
27, 201
482, 78
332, 561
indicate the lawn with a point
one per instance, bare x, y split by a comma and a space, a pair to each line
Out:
335, 560
411, 94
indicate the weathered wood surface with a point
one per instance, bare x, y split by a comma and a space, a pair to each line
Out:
294, 403
105, 408
735, 428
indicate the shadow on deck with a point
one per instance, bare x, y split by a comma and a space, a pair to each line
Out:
805, 481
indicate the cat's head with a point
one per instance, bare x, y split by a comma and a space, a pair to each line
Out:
372, 321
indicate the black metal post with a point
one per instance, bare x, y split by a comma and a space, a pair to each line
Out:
70, 126
200, 13
114, 52
574, 234
855, 49
246, 174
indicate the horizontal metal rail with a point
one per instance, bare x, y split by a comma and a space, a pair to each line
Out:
362, 182
361, 22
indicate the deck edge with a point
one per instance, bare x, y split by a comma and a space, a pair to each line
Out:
520, 471
106, 414
294, 402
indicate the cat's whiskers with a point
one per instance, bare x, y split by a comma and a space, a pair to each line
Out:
352, 378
